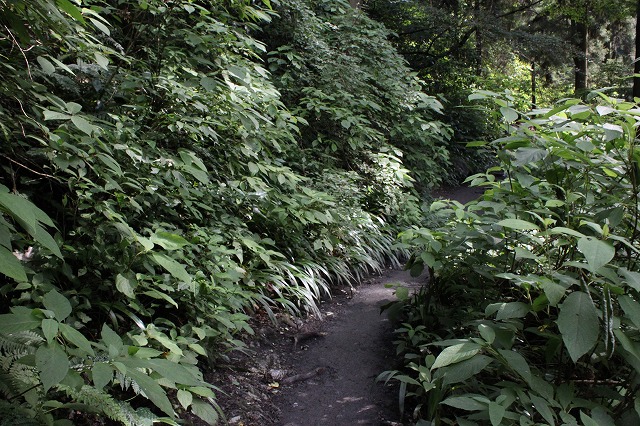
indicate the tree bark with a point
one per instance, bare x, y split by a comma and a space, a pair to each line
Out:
534, 87
479, 40
636, 65
580, 59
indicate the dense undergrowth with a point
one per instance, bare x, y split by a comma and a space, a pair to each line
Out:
192, 163
531, 314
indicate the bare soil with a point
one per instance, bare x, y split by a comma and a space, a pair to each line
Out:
322, 371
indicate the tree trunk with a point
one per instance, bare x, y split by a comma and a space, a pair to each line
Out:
636, 66
534, 84
479, 40
581, 57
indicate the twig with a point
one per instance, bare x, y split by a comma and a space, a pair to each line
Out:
15, 41
28, 168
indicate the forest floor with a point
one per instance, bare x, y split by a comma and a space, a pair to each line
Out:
322, 371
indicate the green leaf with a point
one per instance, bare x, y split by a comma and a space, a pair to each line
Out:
102, 61
578, 323
465, 403
597, 252
542, 406
14, 323
205, 411
58, 304
510, 115
112, 340
185, 398
508, 310
164, 340
161, 295
169, 241
517, 363
49, 329
71, 9
632, 278
177, 270
526, 155
77, 338
11, 266
101, 374
102, 27
43, 238
463, 370
82, 124
496, 413
587, 421
53, 365
554, 291
152, 390
518, 224
54, 115
631, 308
168, 369
456, 353
46, 66
123, 284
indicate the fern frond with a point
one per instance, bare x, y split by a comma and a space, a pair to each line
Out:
20, 344
13, 414
115, 410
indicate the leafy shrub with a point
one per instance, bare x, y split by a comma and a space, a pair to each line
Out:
156, 195
531, 312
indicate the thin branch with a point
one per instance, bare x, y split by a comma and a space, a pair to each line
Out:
15, 41
28, 168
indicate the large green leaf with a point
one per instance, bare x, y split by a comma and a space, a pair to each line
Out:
77, 338
52, 363
456, 353
496, 413
101, 374
14, 323
463, 370
631, 308
58, 304
205, 411
597, 252
578, 323
170, 370
11, 266
518, 224
176, 269
152, 390
169, 241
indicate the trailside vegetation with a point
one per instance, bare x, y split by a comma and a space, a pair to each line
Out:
170, 168
531, 312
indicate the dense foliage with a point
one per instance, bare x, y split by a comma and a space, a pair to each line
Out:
160, 185
531, 313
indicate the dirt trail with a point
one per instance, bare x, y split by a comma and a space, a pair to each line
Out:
344, 364
356, 348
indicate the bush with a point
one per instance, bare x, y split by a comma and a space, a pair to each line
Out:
530, 315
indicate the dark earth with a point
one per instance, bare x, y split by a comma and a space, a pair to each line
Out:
322, 371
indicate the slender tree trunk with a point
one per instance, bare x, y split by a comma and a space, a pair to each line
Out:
580, 60
636, 66
479, 40
534, 84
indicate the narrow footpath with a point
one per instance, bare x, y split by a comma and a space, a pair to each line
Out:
357, 347
322, 371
